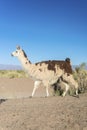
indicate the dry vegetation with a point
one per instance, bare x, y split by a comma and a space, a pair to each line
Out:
13, 74
80, 74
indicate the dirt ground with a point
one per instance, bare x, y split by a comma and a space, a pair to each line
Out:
19, 112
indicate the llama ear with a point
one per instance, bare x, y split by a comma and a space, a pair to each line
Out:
67, 60
18, 47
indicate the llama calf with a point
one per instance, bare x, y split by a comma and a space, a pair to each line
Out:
46, 72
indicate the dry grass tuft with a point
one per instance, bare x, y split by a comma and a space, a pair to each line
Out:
13, 74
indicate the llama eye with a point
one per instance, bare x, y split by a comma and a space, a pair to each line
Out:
16, 51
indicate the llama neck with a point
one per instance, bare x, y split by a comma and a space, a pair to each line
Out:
25, 62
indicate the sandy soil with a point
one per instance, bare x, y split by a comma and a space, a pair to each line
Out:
19, 112
19, 88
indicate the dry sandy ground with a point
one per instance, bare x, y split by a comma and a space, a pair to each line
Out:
18, 88
39, 113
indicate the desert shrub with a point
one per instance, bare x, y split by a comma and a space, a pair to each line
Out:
80, 74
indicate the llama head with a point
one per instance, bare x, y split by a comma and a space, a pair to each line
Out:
19, 52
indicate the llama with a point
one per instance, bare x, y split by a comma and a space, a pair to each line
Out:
46, 72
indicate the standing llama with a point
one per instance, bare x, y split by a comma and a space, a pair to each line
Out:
47, 72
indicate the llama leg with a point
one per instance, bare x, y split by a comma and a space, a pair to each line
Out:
47, 91
76, 87
36, 85
77, 92
66, 89
46, 84
75, 84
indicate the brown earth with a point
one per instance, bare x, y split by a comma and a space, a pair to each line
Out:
19, 112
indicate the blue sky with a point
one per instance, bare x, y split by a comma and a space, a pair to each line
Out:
45, 29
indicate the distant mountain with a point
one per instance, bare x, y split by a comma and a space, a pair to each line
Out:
10, 67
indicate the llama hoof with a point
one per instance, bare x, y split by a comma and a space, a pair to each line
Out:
63, 95
77, 96
2, 100
30, 96
46, 96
